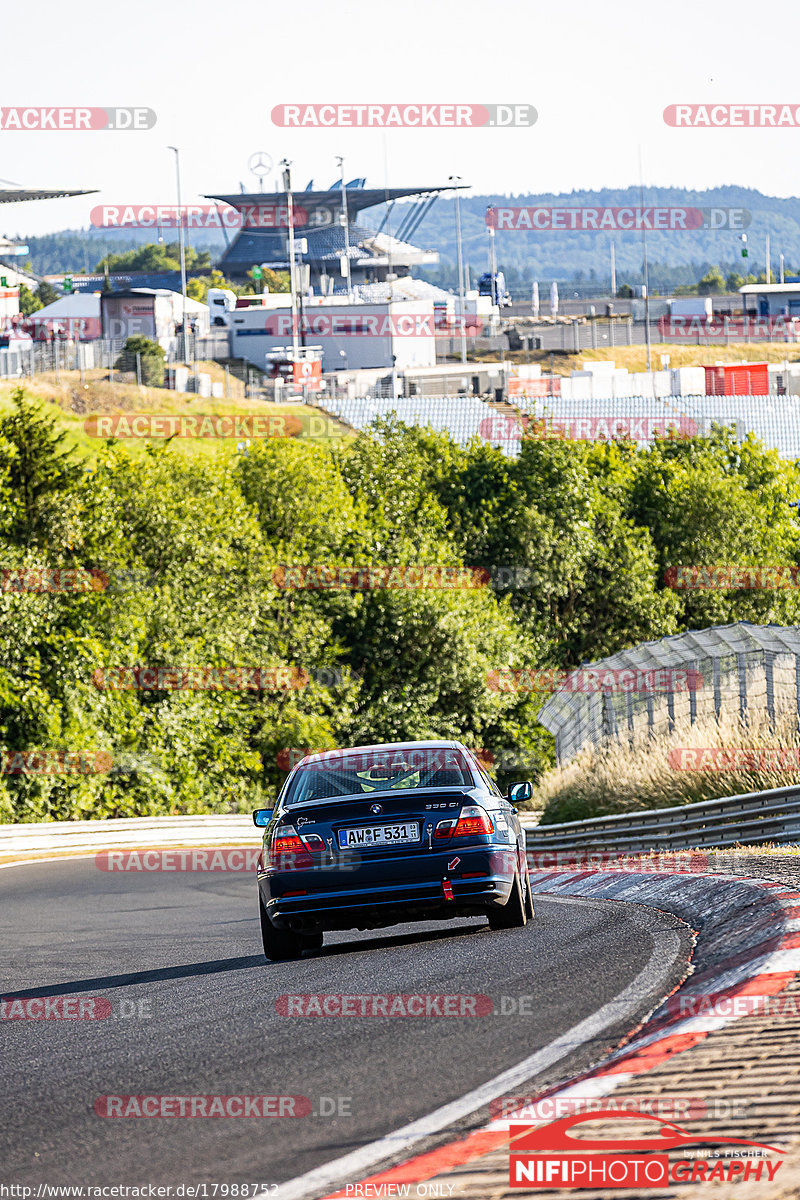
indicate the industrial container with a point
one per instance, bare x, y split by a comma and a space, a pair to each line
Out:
737, 379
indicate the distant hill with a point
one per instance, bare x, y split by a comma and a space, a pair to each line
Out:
81, 249
563, 255
680, 257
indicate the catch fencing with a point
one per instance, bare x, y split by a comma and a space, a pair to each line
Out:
727, 670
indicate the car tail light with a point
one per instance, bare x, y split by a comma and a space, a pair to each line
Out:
313, 842
445, 828
473, 821
288, 850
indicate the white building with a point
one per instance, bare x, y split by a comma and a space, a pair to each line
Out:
771, 299
352, 335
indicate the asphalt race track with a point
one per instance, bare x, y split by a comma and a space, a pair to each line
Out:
194, 1014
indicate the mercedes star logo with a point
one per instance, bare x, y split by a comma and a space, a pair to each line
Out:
260, 163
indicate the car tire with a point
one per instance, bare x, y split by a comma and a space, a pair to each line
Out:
279, 944
513, 914
528, 894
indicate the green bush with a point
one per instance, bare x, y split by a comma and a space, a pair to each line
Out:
151, 360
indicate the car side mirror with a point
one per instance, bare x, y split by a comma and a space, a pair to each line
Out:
263, 816
517, 792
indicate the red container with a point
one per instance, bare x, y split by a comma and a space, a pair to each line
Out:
737, 379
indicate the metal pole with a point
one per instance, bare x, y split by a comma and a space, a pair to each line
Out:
346, 226
613, 271
138, 368
182, 246
287, 183
644, 268
767, 256
460, 256
493, 260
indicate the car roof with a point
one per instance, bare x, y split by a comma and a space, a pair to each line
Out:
318, 755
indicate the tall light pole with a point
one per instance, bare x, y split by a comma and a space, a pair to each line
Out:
456, 179
644, 268
492, 254
287, 183
176, 152
346, 226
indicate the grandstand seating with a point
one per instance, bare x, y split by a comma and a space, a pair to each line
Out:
774, 420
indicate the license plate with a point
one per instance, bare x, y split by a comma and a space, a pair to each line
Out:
379, 835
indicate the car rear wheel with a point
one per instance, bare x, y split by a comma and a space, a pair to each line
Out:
528, 895
279, 944
514, 913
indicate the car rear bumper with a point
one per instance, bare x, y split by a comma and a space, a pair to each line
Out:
370, 894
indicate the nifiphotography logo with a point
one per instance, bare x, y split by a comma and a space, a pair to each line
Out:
620, 1162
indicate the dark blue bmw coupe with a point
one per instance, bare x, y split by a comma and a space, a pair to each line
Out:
377, 835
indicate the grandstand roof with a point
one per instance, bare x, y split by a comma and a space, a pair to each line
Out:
14, 195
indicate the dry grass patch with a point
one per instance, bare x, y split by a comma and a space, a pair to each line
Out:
648, 772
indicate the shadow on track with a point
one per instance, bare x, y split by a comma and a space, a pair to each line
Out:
220, 965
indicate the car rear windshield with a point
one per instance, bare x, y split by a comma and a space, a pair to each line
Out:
355, 773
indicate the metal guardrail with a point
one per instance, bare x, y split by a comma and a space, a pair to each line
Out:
753, 818
76, 837
772, 816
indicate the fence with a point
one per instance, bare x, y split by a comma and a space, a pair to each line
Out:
56, 356
724, 670
753, 819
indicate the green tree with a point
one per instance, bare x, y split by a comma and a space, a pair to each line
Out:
39, 468
734, 281
712, 283
29, 301
46, 294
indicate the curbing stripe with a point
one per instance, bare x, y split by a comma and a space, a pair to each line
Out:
751, 970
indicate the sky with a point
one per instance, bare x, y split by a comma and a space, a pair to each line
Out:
599, 77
